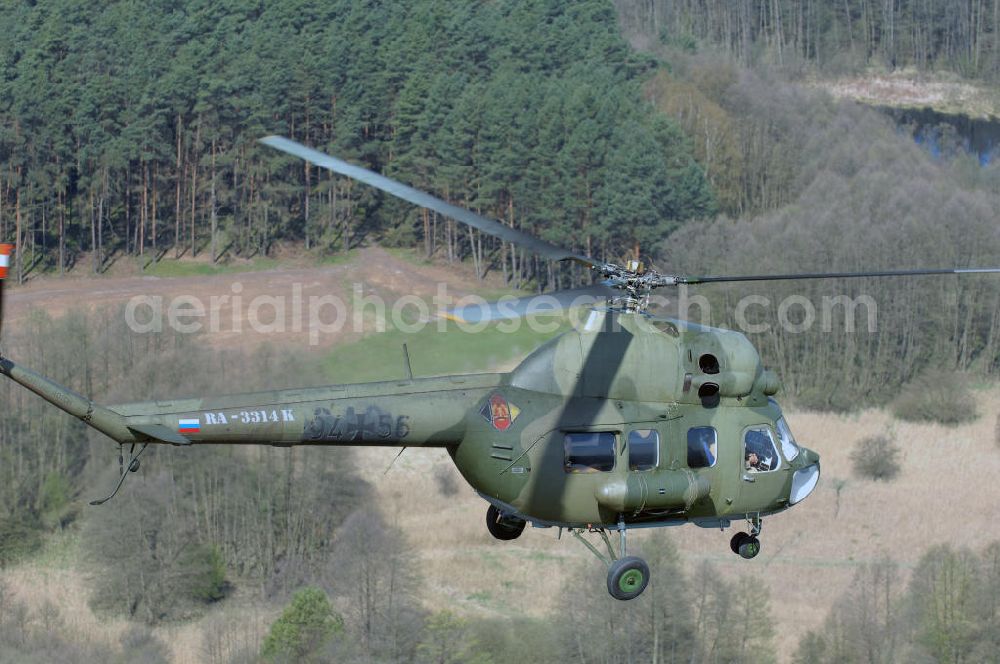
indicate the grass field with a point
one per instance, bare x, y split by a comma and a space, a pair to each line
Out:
379, 356
204, 267
176, 268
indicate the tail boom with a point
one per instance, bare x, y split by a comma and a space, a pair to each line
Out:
103, 419
428, 412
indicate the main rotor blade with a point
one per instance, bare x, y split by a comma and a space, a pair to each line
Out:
532, 305
423, 199
838, 275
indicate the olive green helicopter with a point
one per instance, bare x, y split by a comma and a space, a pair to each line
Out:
629, 421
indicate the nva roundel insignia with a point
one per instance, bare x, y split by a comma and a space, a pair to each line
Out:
499, 412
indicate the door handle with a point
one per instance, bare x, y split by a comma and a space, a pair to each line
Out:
747, 478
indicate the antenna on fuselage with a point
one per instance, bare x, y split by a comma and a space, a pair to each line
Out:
406, 363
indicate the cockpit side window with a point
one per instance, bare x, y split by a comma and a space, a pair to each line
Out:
643, 449
760, 455
703, 447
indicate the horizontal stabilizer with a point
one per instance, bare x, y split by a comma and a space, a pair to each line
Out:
159, 433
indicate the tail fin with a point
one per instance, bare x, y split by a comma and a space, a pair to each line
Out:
106, 421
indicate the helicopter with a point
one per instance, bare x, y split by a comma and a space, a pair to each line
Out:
631, 420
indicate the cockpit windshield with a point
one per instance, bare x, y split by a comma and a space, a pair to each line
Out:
788, 444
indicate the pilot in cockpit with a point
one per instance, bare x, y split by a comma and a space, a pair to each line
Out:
759, 452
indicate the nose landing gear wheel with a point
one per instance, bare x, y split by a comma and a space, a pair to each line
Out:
628, 577
501, 527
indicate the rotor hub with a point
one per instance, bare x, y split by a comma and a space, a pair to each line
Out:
635, 282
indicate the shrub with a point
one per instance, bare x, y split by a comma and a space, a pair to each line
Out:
19, 536
306, 625
207, 573
447, 485
834, 399
876, 458
57, 507
141, 646
936, 396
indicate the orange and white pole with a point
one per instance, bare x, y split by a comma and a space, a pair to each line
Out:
5, 251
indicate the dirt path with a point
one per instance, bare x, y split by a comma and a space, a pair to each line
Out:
372, 271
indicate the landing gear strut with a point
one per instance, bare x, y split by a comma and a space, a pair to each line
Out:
628, 576
746, 545
503, 527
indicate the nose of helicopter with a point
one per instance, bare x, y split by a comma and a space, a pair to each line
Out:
804, 480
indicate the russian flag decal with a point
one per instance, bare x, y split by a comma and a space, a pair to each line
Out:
189, 426
5, 252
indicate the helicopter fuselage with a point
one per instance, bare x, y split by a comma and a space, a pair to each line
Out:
525, 473
661, 434
664, 436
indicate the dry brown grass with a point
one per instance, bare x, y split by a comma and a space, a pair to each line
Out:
225, 629
910, 89
67, 589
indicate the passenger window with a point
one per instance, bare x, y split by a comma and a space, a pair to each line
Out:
759, 452
702, 447
589, 452
643, 449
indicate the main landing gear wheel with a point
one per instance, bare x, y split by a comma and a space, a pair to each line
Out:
501, 527
737, 540
627, 577
746, 545
749, 547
